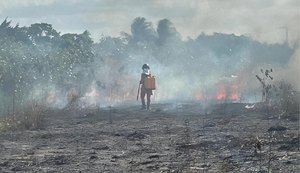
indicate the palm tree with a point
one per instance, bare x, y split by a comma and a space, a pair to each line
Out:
166, 31
142, 31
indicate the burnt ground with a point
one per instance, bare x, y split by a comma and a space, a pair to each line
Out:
169, 138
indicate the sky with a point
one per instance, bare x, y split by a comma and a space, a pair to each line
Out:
263, 20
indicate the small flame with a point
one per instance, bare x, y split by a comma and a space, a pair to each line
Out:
222, 94
234, 95
228, 93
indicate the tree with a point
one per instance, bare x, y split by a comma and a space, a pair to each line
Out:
166, 31
41, 32
142, 31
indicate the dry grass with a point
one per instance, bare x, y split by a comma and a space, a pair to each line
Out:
29, 118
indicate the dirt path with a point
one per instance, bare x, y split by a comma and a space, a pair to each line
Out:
170, 138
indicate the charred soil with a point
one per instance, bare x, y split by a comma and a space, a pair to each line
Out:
169, 138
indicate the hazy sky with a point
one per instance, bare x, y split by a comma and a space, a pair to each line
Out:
261, 19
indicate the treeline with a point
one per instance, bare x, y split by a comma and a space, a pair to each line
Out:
37, 57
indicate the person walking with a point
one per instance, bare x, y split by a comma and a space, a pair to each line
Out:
145, 91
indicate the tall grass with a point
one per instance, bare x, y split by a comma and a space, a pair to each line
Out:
30, 117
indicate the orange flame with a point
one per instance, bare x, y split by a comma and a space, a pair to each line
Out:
234, 95
228, 93
222, 93
224, 90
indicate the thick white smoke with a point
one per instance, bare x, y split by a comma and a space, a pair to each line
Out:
292, 72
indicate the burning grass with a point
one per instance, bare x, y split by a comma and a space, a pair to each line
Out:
31, 117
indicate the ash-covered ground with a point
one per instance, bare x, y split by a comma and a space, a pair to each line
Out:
181, 137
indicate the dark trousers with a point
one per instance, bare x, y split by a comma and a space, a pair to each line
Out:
145, 92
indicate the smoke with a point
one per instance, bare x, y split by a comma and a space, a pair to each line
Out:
205, 78
179, 77
292, 70
211, 68
184, 75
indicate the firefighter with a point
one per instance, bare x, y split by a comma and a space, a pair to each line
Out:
144, 91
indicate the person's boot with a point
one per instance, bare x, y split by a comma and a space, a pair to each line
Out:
148, 107
143, 105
